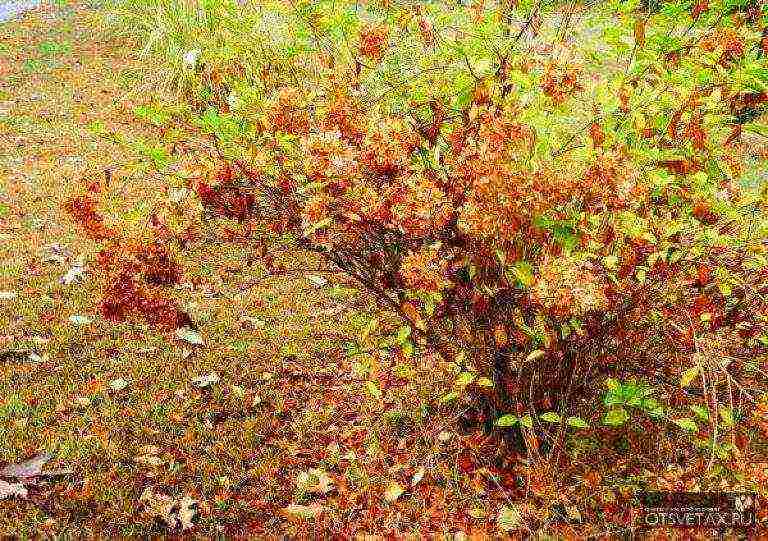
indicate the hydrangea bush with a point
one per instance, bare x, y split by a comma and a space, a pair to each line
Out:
565, 200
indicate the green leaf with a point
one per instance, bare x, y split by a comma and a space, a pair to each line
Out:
464, 379
507, 420
484, 382
550, 417
526, 421
686, 423
611, 262
403, 333
319, 225
701, 412
616, 417
373, 389
577, 422
523, 272
450, 397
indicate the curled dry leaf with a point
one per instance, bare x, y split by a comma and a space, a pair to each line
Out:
417, 477
317, 281
56, 253
73, 275
254, 322
12, 490
176, 513
190, 58
30, 468
80, 320
203, 382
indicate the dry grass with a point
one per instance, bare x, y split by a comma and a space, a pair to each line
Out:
64, 86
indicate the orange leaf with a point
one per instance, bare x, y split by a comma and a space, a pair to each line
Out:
640, 32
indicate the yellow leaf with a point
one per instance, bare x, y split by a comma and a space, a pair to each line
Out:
534, 355
688, 376
372, 325
500, 336
393, 492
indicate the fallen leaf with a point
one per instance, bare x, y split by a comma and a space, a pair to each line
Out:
118, 384
12, 490
177, 513
302, 512
80, 320
373, 389
56, 253
187, 512
477, 513
82, 402
688, 376
177, 195
149, 450
393, 492
318, 281
315, 481
189, 335
149, 460
534, 355
333, 453
27, 469
149, 455
254, 321
73, 275
206, 381
573, 513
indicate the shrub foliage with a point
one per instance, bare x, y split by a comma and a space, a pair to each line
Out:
556, 197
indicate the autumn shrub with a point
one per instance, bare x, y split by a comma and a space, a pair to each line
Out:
135, 272
565, 200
